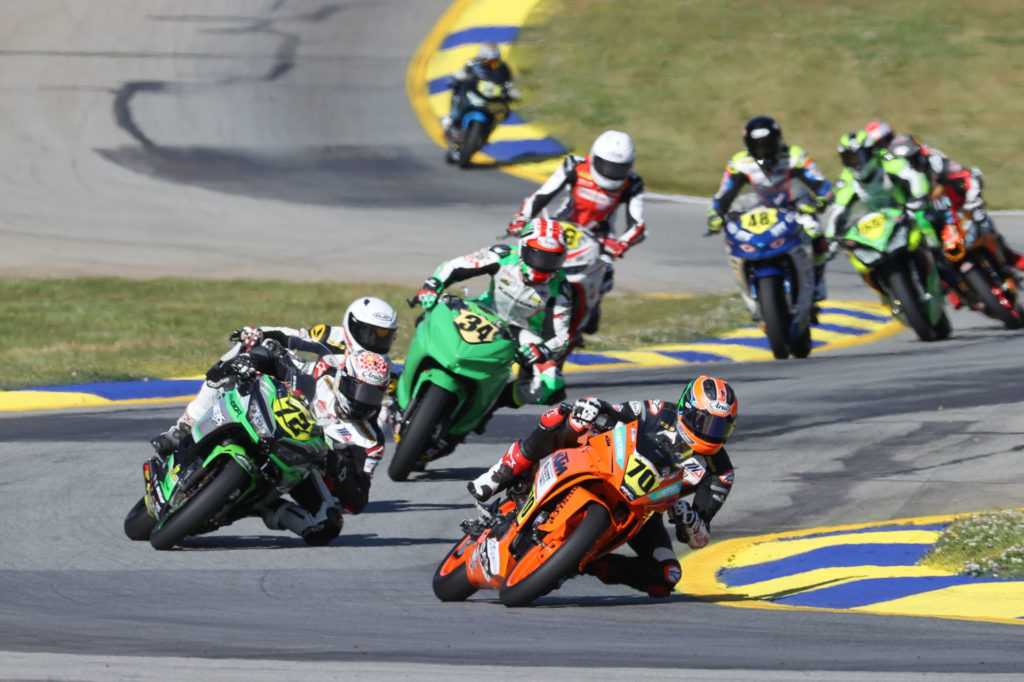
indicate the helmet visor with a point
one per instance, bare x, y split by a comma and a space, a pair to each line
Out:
611, 170
541, 260
371, 337
764, 148
708, 427
362, 399
852, 158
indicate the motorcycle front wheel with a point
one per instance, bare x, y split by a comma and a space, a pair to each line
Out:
544, 566
977, 280
912, 305
203, 505
417, 431
472, 141
775, 312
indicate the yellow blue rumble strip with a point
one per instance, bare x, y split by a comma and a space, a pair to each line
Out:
455, 39
871, 568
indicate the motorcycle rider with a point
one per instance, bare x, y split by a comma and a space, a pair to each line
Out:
488, 66
344, 400
768, 167
596, 186
700, 423
961, 187
528, 290
877, 179
369, 323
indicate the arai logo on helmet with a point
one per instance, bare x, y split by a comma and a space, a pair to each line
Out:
547, 241
758, 133
718, 406
383, 316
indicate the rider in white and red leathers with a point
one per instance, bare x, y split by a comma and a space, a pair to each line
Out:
596, 186
771, 168
698, 425
529, 292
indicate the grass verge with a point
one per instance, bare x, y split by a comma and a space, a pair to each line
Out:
983, 545
72, 331
683, 76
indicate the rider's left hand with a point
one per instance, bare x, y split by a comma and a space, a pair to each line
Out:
530, 354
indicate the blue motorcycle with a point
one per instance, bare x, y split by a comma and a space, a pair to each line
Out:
481, 105
773, 264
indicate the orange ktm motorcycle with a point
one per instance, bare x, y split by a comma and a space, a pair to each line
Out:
983, 279
580, 504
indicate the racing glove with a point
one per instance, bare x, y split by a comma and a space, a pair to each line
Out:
427, 294
584, 412
529, 354
518, 223
807, 206
242, 367
715, 221
690, 527
613, 247
249, 337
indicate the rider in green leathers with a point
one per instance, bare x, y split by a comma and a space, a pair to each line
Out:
529, 291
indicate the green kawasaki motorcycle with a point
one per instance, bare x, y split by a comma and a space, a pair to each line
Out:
458, 364
887, 247
255, 444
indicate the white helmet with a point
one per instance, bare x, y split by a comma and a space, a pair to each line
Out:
488, 52
370, 324
611, 159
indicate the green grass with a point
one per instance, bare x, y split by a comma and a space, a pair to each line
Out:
987, 545
64, 331
683, 76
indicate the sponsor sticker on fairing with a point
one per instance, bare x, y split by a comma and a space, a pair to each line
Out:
545, 477
493, 557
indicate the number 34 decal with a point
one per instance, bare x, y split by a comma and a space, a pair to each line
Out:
474, 328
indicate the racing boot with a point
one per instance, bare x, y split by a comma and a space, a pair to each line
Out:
497, 478
318, 530
167, 442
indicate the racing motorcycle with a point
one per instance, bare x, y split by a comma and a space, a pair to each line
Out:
257, 442
483, 105
459, 361
887, 245
981, 275
773, 264
576, 505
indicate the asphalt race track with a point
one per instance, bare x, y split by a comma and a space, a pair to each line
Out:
219, 139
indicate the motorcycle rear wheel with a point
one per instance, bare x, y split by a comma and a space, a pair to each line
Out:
138, 524
450, 580
417, 431
472, 141
201, 507
775, 312
977, 280
541, 570
904, 291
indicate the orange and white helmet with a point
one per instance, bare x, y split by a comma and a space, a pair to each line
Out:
707, 414
541, 250
362, 385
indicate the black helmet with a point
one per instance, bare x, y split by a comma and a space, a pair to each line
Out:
763, 138
909, 148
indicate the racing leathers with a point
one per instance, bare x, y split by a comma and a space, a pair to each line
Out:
655, 569
893, 184
591, 207
961, 187
538, 314
776, 186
